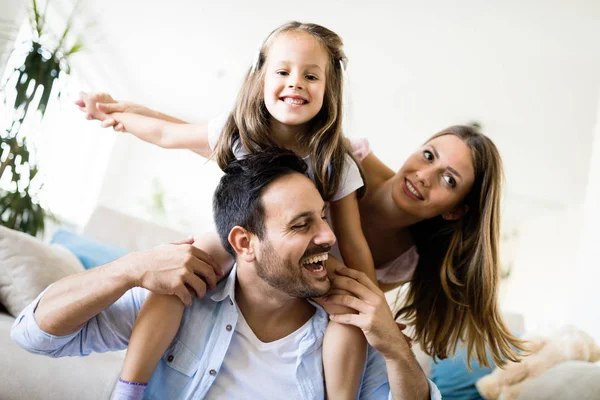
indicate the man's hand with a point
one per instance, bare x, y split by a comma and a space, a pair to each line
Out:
178, 269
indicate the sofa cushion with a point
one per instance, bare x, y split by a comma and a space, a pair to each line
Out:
28, 266
453, 378
90, 252
569, 380
25, 375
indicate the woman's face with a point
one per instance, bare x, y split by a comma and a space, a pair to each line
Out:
435, 179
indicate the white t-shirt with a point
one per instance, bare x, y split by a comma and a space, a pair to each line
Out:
351, 179
256, 370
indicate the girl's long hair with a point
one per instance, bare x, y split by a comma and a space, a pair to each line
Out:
248, 124
453, 295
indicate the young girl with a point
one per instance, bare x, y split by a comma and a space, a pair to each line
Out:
292, 98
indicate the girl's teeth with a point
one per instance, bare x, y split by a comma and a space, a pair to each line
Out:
295, 102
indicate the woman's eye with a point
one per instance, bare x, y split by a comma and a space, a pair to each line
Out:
300, 227
450, 180
428, 155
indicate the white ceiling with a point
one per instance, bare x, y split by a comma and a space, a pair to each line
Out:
529, 71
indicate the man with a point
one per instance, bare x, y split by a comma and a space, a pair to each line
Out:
253, 336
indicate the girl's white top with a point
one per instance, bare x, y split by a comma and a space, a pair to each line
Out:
351, 179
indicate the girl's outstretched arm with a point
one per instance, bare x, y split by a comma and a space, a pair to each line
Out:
344, 346
149, 125
96, 105
165, 134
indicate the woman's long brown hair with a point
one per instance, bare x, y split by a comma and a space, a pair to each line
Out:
248, 124
453, 295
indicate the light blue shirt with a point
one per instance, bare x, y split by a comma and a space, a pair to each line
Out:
191, 363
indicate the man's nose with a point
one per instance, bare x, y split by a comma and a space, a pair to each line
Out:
325, 235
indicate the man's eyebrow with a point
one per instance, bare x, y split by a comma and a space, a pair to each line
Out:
437, 155
306, 214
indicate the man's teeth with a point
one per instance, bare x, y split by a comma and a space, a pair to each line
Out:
296, 102
412, 189
315, 259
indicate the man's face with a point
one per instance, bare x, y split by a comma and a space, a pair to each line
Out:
291, 257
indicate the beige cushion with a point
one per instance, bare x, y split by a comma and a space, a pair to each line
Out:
569, 380
28, 266
115, 228
32, 376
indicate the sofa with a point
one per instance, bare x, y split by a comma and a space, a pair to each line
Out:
28, 265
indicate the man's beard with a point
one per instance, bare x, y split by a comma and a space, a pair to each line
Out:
286, 276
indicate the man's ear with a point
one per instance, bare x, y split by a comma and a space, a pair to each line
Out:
240, 240
456, 213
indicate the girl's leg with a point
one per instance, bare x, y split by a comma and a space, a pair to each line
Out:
344, 357
344, 351
154, 329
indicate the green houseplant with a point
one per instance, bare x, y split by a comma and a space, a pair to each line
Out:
42, 61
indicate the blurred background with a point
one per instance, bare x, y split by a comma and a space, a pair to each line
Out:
527, 71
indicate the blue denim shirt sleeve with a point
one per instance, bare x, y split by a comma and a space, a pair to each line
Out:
110, 330
375, 384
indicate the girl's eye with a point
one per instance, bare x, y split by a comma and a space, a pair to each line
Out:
311, 77
282, 73
450, 180
428, 155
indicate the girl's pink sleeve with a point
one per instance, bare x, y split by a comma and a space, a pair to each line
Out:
360, 148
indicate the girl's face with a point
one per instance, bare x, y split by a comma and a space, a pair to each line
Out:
435, 179
295, 72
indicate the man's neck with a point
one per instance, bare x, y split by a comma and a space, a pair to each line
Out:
271, 314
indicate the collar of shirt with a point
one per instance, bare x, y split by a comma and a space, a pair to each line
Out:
191, 363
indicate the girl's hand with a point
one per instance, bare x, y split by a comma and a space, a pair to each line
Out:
87, 103
100, 106
374, 316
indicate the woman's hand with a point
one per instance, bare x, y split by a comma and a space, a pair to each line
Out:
374, 316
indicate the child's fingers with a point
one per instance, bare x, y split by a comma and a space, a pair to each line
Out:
119, 127
107, 123
79, 103
110, 107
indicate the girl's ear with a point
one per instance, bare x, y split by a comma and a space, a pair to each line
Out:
456, 213
240, 240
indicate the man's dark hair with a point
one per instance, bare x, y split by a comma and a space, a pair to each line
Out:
237, 199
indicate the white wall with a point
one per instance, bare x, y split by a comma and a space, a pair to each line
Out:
586, 278
526, 70
11, 15
557, 264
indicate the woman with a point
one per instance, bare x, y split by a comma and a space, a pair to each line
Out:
439, 216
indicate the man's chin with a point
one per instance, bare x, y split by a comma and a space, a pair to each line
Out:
321, 287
